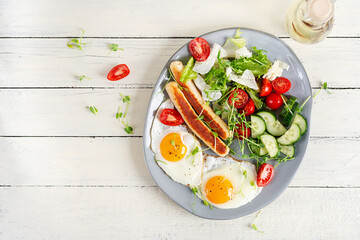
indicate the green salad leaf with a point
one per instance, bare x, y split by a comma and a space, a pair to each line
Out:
258, 64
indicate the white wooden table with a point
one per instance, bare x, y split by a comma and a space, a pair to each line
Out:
67, 174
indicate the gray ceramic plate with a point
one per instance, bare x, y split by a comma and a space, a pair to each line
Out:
182, 195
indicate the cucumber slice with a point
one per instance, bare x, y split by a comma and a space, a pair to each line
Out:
287, 150
301, 122
271, 144
267, 116
273, 126
255, 149
291, 136
258, 126
261, 151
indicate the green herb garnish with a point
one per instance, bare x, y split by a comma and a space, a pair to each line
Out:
324, 86
77, 42
82, 77
121, 116
114, 47
253, 225
93, 109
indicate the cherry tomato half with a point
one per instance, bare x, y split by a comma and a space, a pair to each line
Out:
265, 175
118, 72
242, 131
281, 85
171, 117
249, 108
200, 49
274, 101
265, 88
238, 98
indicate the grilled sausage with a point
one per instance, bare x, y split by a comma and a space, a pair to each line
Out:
198, 103
191, 119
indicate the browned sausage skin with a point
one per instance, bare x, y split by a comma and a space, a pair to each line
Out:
191, 118
198, 103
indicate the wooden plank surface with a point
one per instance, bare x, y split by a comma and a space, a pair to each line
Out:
118, 161
67, 174
142, 18
146, 213
62, 112
49, 63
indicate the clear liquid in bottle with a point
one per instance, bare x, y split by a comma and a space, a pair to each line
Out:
310, 21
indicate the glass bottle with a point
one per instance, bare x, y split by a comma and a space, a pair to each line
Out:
310, 21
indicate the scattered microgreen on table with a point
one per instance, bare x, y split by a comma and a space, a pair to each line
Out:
77, 42
324, 86
114, 48
122, 115
93, 109
82, 77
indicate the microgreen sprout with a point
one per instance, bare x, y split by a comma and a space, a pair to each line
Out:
122, 115
170, 77
82, 77
299, 109
286, 105
253, 225
77, 42
93, 109
324, 86
114, 48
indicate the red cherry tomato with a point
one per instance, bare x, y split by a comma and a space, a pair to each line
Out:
249, 108
265, 88
281, 85
265, 175
171, 117
274, 101
242, 131
238, 98
118, 72
200, 49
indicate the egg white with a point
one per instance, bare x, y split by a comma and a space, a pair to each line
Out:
244, 185
186, 171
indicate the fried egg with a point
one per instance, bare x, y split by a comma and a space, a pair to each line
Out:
176, 150
228, 183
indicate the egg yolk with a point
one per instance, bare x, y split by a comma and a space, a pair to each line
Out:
219, 190
172, 148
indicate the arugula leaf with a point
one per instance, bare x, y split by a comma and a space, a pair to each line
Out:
93, 109
257, 101
114, 47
